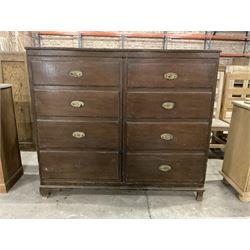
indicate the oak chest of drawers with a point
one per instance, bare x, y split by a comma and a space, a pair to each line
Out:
124, 118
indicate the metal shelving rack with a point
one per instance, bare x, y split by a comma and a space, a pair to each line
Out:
207, 37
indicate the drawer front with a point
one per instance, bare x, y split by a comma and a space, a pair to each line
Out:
77, 103
168, 135
169, 104
165, 168
86, 166
171, 73
71, 134
76, 71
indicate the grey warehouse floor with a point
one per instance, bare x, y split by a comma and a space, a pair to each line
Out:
24, 200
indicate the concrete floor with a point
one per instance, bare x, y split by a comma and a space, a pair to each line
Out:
24, 200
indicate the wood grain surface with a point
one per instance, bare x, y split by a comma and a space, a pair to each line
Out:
123, 119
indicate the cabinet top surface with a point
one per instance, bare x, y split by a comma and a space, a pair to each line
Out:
130, 53
122, 50
5, 85
242, 104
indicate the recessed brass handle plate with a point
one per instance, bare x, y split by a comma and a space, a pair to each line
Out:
77, 104
170, 76
167, 136
168, 105
78, 134
165, 168
76, 73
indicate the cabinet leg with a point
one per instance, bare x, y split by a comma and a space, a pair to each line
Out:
225, 182
199, 195
244, 198
45, 193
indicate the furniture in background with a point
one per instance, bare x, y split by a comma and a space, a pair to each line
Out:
138, 119
236, 88
13, 69
10, 162
236, 165
218, 94
218, 126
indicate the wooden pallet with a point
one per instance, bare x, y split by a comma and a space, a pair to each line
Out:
236, 88
238, 69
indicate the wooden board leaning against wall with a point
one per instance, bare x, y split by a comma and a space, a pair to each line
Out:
13, 69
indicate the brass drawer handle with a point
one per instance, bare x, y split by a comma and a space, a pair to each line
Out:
167, 137
78, 134
168, 105
76, 73
170, 76
77, 104
165, 168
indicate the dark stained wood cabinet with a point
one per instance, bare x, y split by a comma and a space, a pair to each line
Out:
136, 119
10, 161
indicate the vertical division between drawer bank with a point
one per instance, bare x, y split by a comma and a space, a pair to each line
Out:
124, 116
